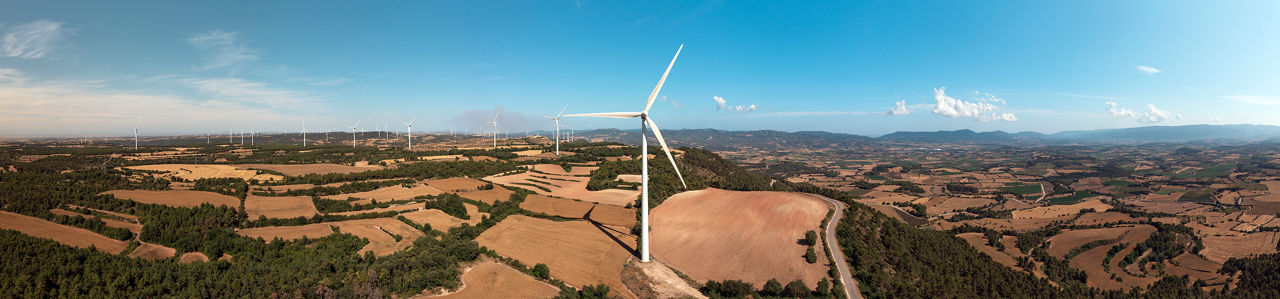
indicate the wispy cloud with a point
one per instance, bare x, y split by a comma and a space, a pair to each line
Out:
329, 82
1087, 96
90, 108
11, 76
900, 109
813, 113
1256, 100
979, 110
246, 91
1152, 115
32, 40
1148, 70
722, 105
673, 102
223, 50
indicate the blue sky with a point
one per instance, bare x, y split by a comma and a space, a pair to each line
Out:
99, 68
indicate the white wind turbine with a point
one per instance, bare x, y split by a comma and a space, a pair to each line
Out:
644, 154
304, 134
353, 133
135, 138
495, 128
409, 132
557, 119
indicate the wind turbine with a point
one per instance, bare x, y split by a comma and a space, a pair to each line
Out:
304, 134
495, 128
644, 154
135, 138
409, 132
557, 119
353, 133
252, 134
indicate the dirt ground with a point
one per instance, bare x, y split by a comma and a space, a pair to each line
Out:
279, 206
488, 196
386, 194
497, 281
1060, 210
577, 252
71, 236
153, 251
443, 222
714, 234
566, 185
895, 213
199, 171
380, 242
305, 169
604, 214
1063, 243
176, 198
456, 184
979, 242
1104, 217
192, 257
1218, 249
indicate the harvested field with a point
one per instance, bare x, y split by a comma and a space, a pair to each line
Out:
714, 234
947, 204
577, 252
1103, 218
497, 281
899, 214
601, 213
1091, 262
387, 194
443, 222
283, 188
1061, 244
884, 198
490, 196
305, 169
392, 208
1218, 249
279, 206
565, 184
153, 251
70, 236
380, 242
456, 184
1195, 262
1021, 225
199, 171
131, 226
192, 257
269, 233
176, 198
1165, 207
1060, 210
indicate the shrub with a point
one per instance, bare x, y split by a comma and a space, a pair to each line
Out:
771, 288
540, 271
810, 257
796, 289
810, 238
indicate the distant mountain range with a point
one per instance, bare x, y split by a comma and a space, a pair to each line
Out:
771, 140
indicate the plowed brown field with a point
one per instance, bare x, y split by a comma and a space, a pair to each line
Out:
714, 234
490, 280
176, 198
279, 206
71, 236
577, 252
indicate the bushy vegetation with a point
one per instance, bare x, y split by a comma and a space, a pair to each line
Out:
449, 203
226, 186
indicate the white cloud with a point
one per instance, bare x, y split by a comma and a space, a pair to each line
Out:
1256, 100
1148, 70
89, 108
246, 91
12, 75
1152, 115
722, 105
673, 102
32, 40
980, 111
987, 97
223, 49
899, 109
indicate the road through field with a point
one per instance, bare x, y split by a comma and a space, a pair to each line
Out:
846, 278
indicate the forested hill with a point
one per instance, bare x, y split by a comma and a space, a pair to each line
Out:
891, 259
719, 140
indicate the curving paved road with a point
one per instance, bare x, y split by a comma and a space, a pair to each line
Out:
850, 285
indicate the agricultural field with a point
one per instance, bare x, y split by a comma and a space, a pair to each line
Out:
548, 179
577, 252
176, 198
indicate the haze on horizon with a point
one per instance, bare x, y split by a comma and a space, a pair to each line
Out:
100, 69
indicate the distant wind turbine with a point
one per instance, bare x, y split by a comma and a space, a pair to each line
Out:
409, 132
557, 119
304, 134
353, 133
135, 138
495, 128
644, 154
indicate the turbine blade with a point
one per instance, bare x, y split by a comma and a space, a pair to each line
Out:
658, 134
608, 114
562, 111
654, 94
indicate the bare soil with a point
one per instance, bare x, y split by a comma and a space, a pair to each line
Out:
176, 198
498, 281
305, 169
577, 252
279, 206
71, 236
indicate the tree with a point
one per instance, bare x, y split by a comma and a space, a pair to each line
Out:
810, 256
824, 288
796, 289
771, 288
728, 288
540, 271
810, 238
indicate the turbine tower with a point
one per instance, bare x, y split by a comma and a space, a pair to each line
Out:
304, 134
644, 154
557, 119
409, 132
135, 139
353, 133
